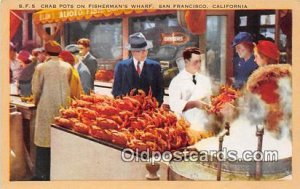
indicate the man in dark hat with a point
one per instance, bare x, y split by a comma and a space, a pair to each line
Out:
24, 83
138, 72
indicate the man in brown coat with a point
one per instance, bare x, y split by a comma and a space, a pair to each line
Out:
51, 90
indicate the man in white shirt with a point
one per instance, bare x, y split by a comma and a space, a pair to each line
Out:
190, 90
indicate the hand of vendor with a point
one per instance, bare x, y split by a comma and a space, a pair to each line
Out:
196, 104
203, 105
228, 111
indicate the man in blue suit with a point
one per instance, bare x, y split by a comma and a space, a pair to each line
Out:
138, 72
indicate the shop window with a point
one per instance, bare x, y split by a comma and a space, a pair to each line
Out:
267, 26
169, 40
267, 19
243, 21
283, 48
268, 32
256, 22
216, 48
105, 35
48, 30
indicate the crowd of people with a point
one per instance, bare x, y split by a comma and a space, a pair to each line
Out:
23, 65
256, 71
53, 74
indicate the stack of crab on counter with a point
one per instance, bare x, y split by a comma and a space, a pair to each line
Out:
133, 121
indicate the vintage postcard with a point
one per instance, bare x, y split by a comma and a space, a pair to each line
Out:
149, 94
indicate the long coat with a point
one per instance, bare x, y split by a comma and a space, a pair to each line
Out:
76, 87
85, 78
126, 78
25, 79
51, 90
91, 62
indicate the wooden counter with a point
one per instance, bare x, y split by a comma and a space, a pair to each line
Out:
28, 113
75, 156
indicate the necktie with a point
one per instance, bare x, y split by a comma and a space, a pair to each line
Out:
138, 69
194, 80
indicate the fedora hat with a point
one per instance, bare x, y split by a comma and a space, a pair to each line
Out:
53, 47
24, 56
72, 48
138, 42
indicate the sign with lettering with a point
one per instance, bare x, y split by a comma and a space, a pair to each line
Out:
175, 38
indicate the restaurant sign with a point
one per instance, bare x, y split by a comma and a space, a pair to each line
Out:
174, 38
69, 15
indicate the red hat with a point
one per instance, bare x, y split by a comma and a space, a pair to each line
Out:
53, 47
24, 56
67, 57
36, 51
269, 49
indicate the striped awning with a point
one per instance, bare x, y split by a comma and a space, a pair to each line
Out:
68, 15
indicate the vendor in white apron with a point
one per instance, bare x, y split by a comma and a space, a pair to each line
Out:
190, 91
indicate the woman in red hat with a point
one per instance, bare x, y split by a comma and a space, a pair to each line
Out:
76, 88
24, 82
265, 81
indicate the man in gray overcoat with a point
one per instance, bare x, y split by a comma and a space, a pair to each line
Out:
51, 91
87, 58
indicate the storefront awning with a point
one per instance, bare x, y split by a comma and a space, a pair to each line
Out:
16, 18
68, 15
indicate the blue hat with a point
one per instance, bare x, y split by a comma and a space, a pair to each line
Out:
73, 48
242, 37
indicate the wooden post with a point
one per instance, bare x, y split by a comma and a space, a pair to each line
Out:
277, 28
229, 51
125, 29
25, 30
62, 36
202, 47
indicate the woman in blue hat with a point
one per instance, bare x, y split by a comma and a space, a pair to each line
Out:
244, 64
